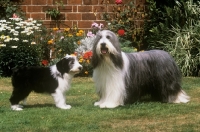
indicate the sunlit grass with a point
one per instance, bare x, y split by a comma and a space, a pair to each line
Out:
40, 113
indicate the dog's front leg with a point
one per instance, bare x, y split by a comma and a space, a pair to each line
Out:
59, 98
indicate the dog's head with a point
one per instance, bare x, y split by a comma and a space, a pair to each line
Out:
69, 64
106, 43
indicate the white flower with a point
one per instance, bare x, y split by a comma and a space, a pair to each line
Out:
86, 44
13, 46
25, 41
2, 21
12, 30
7, 40
2, 45
39, 25
16, 39
33, 42
2, 37
30, 19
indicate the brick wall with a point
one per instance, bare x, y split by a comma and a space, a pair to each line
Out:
74, 12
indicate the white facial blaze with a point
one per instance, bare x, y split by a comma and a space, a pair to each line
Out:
104, 40
76, 67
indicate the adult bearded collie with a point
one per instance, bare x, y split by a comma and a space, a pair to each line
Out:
122, 78
54, 80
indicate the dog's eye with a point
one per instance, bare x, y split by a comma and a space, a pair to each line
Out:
100, 36
108, 37
71, 62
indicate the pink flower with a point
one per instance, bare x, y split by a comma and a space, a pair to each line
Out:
118, 1
90, 34
15, 16
101, 25
95, 25
121, 32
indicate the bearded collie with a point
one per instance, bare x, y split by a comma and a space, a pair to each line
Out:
121, 78
54, 80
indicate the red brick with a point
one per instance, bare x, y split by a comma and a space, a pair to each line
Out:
104, 2
39, 2
88, 16
66, 24
48, 17
45, 8
74, 16
38, 16
99, 16
99, 9
23, 8
75, 9
74, 2
47, 24
111, 8
84, 8
34, 8
74, 23
51, 24
58, 1
90, 2
84, 24
28, 15
65, 9
49, 2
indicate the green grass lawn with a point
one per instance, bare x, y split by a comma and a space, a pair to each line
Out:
41, 115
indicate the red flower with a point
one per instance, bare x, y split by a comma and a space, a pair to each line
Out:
121, 32
45, 62
87, 55
118, 1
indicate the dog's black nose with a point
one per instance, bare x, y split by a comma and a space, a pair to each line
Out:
80, 68
103, 45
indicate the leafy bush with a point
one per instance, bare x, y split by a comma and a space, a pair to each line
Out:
18, 46
62, 42
185, 44
122, 22
9, 7
84, 54
177, 31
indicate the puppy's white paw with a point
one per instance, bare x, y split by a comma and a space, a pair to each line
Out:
17, 107
65, 107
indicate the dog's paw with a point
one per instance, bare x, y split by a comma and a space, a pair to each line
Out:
97, 103
65, 107
108, 105
17, 107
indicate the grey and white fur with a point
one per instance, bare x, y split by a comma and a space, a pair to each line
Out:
121, 78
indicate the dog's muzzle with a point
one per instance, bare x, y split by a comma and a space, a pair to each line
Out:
104, 49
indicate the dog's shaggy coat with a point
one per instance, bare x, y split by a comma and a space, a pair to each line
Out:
54, 80
122, 78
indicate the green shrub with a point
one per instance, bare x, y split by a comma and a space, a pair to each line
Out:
19, 44
62, 42
178, 32
122, 22
10, 7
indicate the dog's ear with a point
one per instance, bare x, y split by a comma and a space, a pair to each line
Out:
95, 59
63, 66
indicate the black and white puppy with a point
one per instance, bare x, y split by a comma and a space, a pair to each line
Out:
122, 78
54, 80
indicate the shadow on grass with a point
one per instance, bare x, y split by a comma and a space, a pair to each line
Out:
39, 106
